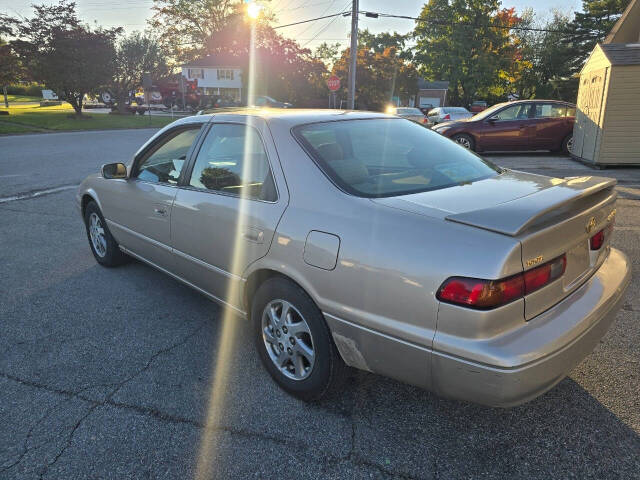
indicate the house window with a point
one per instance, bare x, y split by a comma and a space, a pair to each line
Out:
195, 73
225, 74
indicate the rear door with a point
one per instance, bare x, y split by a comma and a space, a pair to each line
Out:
226, 212
508, 129
551, 125
138, 209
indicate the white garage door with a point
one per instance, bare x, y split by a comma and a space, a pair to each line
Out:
426, 101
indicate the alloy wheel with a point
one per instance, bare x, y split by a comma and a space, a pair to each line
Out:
570, 145
464, 141
96, 233
288, 340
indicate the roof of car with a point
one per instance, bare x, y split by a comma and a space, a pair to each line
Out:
296, 116
535, 100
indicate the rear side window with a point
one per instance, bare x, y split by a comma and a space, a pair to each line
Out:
550, 110
388, 157
233, 160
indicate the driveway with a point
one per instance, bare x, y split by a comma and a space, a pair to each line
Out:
108, 373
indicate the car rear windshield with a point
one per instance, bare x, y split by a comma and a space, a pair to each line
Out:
455, 110
386, 157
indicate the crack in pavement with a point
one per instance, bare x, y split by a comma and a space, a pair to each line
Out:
69, 394
351, 456
115, 390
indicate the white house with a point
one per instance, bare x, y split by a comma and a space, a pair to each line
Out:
216, 75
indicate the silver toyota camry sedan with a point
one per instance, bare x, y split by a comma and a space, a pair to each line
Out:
363, 239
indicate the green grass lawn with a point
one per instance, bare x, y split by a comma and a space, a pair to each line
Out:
19, 98
33, 118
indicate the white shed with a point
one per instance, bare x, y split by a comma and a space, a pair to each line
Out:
607, 128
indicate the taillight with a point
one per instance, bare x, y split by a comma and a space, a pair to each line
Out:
486, 294
544, 274
482, 294
447, 117
596, 242
424, 120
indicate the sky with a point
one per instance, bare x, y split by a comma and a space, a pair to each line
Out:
132, 15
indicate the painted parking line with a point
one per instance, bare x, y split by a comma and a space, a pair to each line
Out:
37, 193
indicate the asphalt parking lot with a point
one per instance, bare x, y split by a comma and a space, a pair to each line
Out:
106, 373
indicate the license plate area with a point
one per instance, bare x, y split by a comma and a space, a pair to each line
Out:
578, 264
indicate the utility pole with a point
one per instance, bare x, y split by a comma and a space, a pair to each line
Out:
354, 55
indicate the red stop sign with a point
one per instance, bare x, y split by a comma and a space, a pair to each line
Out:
333, 83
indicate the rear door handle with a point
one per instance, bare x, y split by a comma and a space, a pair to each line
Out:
160, 211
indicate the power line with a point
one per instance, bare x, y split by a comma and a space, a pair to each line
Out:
323, 29
345, 13
465, 24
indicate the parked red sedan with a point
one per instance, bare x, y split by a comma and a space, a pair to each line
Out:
519, 125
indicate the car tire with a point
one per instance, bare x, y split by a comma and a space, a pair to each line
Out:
465, 140
567, 144
103, 246
281, 341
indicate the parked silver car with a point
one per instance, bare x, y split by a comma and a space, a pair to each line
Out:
413, 114
364, 239
448, 114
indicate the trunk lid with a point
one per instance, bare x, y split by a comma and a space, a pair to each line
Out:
549, 216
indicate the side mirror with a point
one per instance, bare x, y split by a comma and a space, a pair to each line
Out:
114, 170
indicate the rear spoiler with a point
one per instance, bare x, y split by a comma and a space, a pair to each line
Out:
514, 217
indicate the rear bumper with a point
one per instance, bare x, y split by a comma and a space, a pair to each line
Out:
518, 365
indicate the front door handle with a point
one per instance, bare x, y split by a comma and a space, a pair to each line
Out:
160, 211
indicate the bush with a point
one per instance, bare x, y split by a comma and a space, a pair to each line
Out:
31, 90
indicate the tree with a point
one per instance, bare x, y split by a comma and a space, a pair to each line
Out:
460, 41
379, 77
327, 53
542, 60
135, 55
10, 68
591, 26
65, 55
185, 27
381, 41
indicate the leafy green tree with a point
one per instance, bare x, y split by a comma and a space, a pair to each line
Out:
185, 27
458, 41
591, 26
65, 55
327, 53
135, 55
381, 41
10, 67
379, 77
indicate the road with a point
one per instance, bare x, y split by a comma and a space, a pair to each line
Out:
106, 373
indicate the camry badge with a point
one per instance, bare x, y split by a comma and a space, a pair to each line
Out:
591, 224
534, 261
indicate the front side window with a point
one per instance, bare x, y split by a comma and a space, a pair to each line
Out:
165, 162
515, 112
388, 157
233, 160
